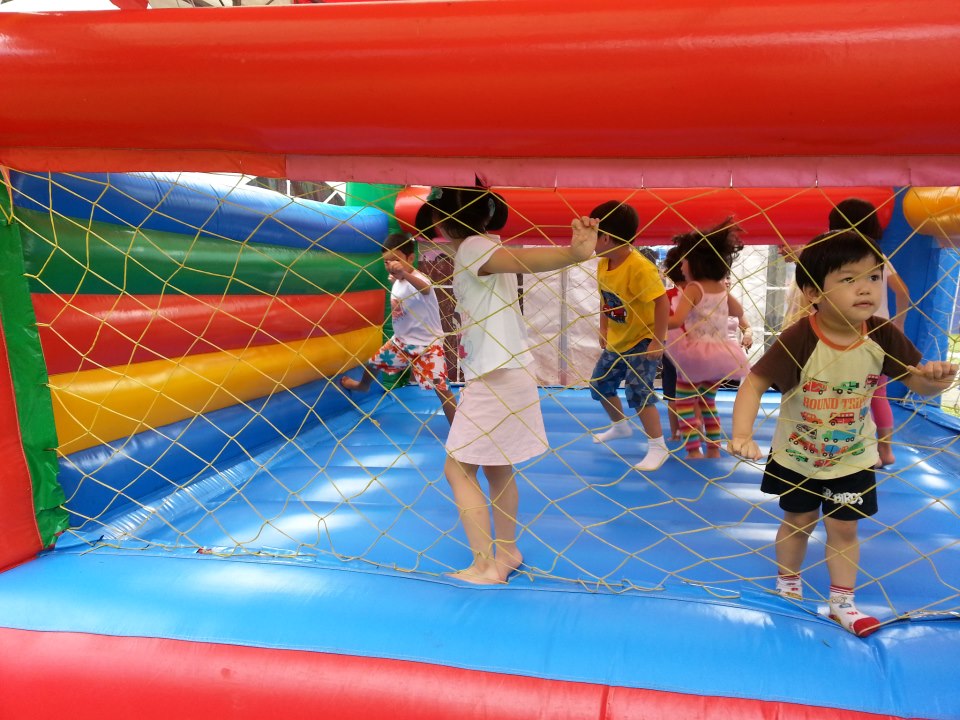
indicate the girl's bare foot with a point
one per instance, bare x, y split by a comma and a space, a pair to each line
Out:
695, 455
350, 384
508, 561
475, 576
713, 451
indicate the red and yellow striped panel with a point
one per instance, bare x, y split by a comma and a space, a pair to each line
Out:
84, 332
92, 407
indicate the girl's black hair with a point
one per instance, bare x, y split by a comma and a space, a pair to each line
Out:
829, 252
461, 212
710, 253
671, 265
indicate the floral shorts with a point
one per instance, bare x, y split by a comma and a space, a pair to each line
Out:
427, 362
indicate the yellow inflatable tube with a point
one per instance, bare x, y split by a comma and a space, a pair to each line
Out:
96, 406
934, 211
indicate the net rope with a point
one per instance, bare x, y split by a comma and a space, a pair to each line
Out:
186, 513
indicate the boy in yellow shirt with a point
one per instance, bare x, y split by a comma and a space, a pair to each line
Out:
633, 327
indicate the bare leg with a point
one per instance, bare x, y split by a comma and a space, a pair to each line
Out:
448, 402
475, 515
843, 551
650, 420
363, 384
613, 407
505, 499
674, 420
793, 536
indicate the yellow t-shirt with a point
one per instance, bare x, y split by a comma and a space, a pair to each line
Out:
626, 298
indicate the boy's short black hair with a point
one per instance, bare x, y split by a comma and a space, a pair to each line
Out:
671, 265
618, 220
829, 252
401, 242
857, 214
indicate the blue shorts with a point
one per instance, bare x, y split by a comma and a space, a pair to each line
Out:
634, 367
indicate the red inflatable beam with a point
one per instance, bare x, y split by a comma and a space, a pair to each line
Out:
767, 215
531, 92
102, 676
91, 331
19, 536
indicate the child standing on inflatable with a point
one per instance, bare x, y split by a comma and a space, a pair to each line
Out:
704, 354
498, 422
861, 216
417, 340
824, 446
633, 327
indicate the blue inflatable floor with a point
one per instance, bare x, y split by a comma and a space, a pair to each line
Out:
660, 581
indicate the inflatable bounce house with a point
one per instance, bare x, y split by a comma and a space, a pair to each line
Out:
200, 521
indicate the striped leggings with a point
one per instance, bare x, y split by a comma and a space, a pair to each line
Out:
689, 397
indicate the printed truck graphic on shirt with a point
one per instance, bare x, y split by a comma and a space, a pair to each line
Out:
849, 386
836, 436
816, 386
798, 439
613, 307
842, 418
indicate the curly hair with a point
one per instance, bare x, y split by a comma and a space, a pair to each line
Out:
710, 253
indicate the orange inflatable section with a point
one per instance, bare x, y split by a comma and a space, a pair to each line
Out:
520, 88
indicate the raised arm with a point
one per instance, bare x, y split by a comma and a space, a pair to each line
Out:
583, 242
745, 409
413, 276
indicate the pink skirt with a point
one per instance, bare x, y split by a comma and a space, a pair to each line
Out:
498, 420
707, 360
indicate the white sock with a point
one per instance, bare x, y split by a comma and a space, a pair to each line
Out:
657, 453
619, 429
844, 611
790, 586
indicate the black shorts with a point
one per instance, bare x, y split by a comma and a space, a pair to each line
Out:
851, 497
668, 379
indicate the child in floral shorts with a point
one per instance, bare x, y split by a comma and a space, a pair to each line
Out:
417, 340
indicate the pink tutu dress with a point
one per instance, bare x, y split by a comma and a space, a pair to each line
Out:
704, 352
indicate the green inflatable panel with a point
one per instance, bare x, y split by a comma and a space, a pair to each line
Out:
65, 255
29, 373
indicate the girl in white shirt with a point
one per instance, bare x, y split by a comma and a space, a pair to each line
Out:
498, 421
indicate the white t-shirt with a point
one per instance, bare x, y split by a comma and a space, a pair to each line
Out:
493, 334
416, 315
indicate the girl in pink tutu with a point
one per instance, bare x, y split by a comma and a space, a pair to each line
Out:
498, 422
704, 354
